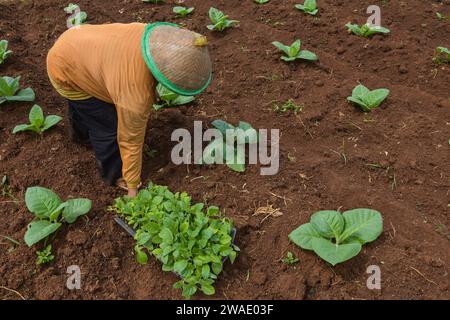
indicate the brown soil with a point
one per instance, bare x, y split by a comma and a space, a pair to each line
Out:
409, 134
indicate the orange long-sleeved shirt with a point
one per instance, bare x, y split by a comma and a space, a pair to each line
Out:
106, 62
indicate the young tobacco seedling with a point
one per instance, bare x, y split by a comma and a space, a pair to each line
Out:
188, 240
309, 7
50, 212
293, 52
442, 55
442, 16
38, 122
80, 16
219, 20
261, 1
366, 99
44, 256
169, 98
10, 90
4, 52
231, 145
366, 30
337, 237
290, 259
183, 11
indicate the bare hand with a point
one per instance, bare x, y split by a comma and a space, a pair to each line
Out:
132, 192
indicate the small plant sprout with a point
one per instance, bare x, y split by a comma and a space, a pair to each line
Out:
169, 98
50, 213
366, 30
261, 1
309, 7
4, 52
366, 99
290, 259
219, 20
442, 16
231, 148
442, 55
77, 16
287, 106
182, 11
337, 237
10, 90
38, 122
293, 52
44, 256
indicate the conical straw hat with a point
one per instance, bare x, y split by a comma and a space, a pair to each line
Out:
178, 58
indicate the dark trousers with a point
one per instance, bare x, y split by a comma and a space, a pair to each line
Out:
95, 122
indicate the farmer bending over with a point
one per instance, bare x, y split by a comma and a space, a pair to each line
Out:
109, 74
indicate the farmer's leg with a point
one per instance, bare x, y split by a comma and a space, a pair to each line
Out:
78, 132
101, 120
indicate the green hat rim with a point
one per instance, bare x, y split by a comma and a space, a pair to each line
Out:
161, 78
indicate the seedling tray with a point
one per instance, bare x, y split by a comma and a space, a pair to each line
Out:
132, 232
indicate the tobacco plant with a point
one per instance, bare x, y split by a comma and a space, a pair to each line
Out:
169, 98
366, 30
219, 20
230, 147
80, 17
442, 55
10, 90
366, 99
309, 7
186, 238
38, 122
4, 52
45, 255
182, 11
337, 237
293, 51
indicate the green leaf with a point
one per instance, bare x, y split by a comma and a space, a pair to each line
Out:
222, 126
166, 235
181, 100
38, 230
189, 291
23, 95
304, 235
282, 47
141, 256
206, 271
50, 121
334, 253
179, 266
328, 224
212, 211
36, 116
307, 55
376, 97
366, 225
208, 289
23, 127
41, 201
362, 104
76, 208
360, 92
238, 162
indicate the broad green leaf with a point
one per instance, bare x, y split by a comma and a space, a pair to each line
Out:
141, 256
76, 208
303, 236
213, 211
181, 100
189, 291
213, 153
359, 102
166, 235
364, 224
310, 4
23, 127
295, 48
36, 116
360, 92
354, 28
179, 266
23, 95
38, 230
206, 271
307, 55
215, 15
282, 47
222, 126
238, 163
333, 253
376, 97
208, 289
329, 224
55, 214
41, 201
50, 121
